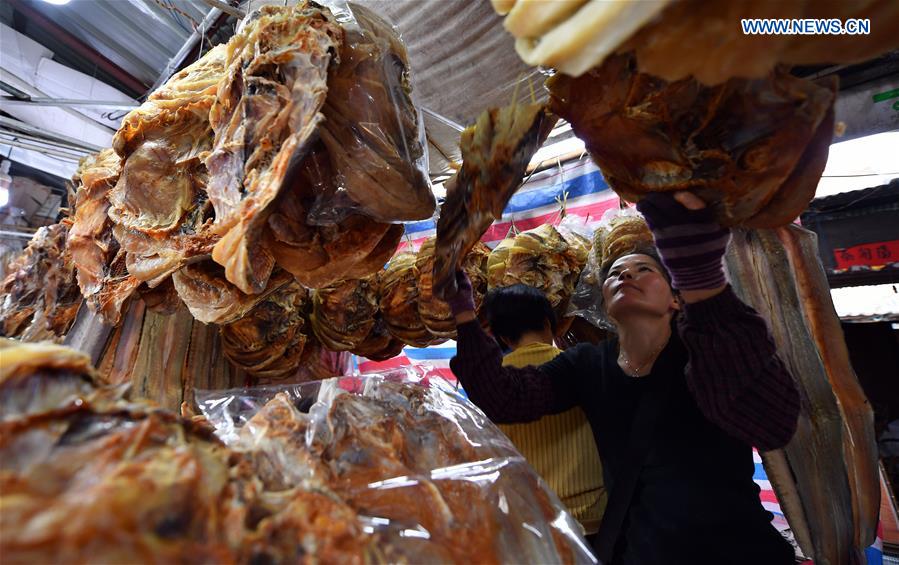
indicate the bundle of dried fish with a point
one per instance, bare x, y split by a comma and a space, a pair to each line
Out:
346, 317
399, 301
541, 258
265, 115
319, 255
343, 314
159, 206
372, 130
90, 241
620, 236
613, 238
675, 40
99, 260
434, 312
379, 345
495, 154
268, 342
40, 294
145, 484
753, 149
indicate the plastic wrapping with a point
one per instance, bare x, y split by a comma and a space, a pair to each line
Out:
424, 470
373, 133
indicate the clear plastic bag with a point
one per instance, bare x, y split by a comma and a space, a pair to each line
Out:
373, 132
425, 470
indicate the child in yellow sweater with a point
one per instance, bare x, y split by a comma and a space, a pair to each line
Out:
560, 447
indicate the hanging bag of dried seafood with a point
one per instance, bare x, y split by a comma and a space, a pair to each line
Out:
541, 258
373, 134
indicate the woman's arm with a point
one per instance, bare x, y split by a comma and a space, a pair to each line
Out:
735, 374
507, 394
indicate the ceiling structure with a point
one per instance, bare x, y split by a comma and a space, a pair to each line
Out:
69, 73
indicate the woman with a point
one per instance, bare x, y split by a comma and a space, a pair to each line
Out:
676, 402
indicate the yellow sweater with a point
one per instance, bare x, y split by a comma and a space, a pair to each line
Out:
561, 448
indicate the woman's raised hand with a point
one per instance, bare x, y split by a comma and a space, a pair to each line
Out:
690, 240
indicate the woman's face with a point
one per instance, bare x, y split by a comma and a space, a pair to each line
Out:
635, 284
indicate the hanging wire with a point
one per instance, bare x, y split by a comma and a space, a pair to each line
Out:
177, 15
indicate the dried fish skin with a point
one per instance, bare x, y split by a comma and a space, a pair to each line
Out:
268, 341
372, 130
495, 154
265, 115
735, 145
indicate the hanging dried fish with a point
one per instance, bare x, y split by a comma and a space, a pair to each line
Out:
753, 149
40, 294
495, 154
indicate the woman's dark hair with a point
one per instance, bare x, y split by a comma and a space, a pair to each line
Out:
513, 311
642, 249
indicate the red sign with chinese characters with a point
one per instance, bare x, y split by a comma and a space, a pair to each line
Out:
868, 255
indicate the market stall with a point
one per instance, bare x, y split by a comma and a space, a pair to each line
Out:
230, 340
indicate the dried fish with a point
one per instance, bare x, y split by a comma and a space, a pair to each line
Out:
495, 154
434, 312
740, 146
824, 477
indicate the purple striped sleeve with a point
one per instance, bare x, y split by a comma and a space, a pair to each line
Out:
735, 374
508, 394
